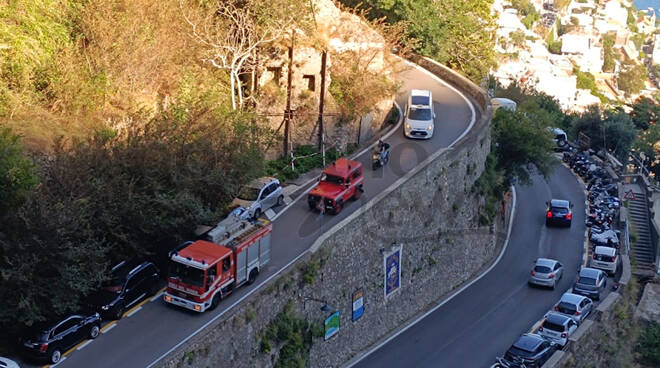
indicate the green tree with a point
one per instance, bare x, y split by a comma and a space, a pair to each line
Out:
631, 80
649, 345
608, 52
645, 112
457, 33
520, 144
612, 130
17, 172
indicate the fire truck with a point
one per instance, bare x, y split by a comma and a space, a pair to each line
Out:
205, 271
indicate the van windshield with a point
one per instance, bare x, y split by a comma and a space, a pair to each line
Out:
186, 274
332, 179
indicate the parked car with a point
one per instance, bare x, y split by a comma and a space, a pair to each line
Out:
558, 328
131, 281
260, 195
532, 350
419, 115
546, 272
504, 103
578, 307
339, 182
590, 282
49, 341
605, 258
558, 212
8, 363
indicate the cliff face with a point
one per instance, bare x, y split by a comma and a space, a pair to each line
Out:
351, 45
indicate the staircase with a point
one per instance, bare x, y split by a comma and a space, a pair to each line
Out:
643, 250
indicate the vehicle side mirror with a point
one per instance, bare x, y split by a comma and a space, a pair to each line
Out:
571, 205
546, 204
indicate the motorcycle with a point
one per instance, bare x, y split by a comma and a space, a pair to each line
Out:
379, 159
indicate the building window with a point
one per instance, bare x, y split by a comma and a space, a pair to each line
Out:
310, 79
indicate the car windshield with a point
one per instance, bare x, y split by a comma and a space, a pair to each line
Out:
553, 326
420, 114
248, 194
115, 285
186, 274
420, 100
332, 179
542, 269
560, 210
567, 308
586, 280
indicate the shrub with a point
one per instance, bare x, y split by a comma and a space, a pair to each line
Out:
649, 345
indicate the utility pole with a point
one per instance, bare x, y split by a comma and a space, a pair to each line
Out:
288, 112
321, 143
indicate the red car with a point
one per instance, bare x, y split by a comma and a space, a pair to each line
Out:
339, 182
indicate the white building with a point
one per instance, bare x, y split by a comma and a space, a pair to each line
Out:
656, 50
615, 13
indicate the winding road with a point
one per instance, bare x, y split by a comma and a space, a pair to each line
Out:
481, 322
143, 338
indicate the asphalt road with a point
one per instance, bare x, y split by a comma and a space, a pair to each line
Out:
143, 337
486, 318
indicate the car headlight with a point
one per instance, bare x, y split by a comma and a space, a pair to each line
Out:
430, 127
408, 126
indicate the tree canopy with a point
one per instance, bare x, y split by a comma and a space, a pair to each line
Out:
17, 172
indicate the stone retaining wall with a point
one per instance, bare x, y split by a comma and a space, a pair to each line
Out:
431, 211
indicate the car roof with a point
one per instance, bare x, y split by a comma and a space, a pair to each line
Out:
260, 182
545, 262
341, 167
556, 318
528, 342
124, 268
559, 203
605, 250
590, 272
572, 298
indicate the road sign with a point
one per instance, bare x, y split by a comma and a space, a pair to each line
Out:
358, 304
629, 195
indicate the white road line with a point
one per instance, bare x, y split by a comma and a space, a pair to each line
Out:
134, 311
269, 214
387, 135
156, 297
58, 363
506, 244
85, 344
109, 328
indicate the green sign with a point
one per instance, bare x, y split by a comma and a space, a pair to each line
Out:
332, 325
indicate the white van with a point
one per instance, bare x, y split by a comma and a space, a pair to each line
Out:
605, 258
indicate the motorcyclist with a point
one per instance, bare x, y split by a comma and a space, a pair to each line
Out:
383, 149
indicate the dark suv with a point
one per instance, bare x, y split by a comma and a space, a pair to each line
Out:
49, 341
558, 212
130, 283
531, 350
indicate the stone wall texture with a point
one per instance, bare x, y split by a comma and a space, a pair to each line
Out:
431, 211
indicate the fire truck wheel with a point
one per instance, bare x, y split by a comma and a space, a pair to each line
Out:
215, 301
358, 193
252, 277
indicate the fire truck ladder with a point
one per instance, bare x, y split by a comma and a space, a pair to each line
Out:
241, 234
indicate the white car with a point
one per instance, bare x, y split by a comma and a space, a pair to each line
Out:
605, 258
557, 328
8, 363
259, 195
575, 306
419, 115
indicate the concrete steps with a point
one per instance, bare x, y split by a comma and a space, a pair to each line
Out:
642, 251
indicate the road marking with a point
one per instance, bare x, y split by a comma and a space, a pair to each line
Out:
269, 214
55, 365
303, 253
537, 325
83, 345
133, 310
158, 294
452, 296
287, 200
109, 327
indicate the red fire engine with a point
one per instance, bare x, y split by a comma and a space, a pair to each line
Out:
205, 271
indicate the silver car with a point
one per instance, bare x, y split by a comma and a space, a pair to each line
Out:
546, 272
419, 115
590, 282
557, 328
577, 307
260, 195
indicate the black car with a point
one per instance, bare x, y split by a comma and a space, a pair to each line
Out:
49, 341
558, 212
129, 284
530, 349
